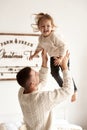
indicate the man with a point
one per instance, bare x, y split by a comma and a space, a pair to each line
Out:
37, 105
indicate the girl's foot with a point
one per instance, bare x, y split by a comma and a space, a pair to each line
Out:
74, 97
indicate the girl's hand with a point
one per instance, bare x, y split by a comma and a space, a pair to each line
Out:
31, 57
35, 54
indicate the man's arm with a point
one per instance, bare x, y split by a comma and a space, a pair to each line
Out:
43, 73
59, 95
44, 59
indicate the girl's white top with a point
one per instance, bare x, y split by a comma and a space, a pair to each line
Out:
53, 44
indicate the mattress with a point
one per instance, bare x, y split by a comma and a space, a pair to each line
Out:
69, 127
65, 125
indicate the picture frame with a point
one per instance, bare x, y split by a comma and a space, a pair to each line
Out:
15, 50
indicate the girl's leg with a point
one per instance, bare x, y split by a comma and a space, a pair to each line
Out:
75, 88
74, 96
55, 72
57, 77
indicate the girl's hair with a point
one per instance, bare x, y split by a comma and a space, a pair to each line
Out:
39, 17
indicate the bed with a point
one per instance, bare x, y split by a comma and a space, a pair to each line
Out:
17, 124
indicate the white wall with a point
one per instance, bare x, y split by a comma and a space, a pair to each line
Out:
71, 18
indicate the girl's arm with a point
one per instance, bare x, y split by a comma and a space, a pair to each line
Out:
61, 45
38, 49
35, 53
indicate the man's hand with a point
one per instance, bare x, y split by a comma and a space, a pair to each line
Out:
44, 58
64, 62
57, 60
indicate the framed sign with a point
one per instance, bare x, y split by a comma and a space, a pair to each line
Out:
15, 50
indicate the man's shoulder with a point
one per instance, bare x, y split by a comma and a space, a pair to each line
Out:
20, 92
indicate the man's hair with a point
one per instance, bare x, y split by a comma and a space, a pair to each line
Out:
23, 75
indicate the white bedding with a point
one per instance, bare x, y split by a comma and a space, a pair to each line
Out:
60, 124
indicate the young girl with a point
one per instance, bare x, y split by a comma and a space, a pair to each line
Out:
55, 47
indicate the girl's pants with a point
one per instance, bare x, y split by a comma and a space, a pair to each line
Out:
55, 73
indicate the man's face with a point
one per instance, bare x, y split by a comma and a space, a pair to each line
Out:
34, 77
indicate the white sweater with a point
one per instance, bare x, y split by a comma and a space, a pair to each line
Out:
37, 106
52, 44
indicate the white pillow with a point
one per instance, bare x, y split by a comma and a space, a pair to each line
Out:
8, 126
65, 125
23, 127
2, 127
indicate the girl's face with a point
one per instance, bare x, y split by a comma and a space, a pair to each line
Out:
45, 27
